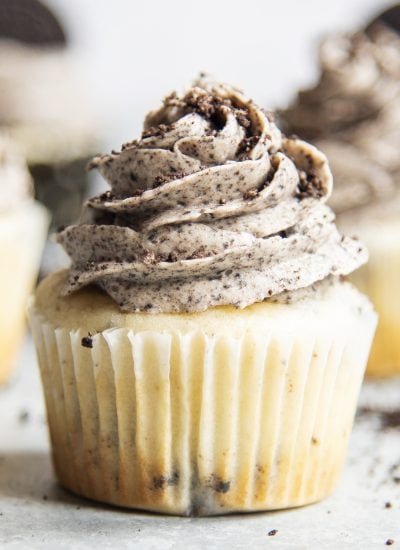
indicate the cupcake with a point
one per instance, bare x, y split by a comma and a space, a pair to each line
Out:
23, 228
44, 108
353, 116
202, 355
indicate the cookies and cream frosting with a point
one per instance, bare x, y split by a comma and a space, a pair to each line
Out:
353, 115
212, 206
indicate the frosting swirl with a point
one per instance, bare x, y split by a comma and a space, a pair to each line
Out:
211, 206
359, 76
353, 114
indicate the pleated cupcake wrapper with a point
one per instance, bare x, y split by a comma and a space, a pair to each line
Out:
380, 280
197, 424
22, 236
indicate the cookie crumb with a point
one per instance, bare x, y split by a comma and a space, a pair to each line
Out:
23, 417
389, 542
87, 341
273, 532
149, 258
250, 194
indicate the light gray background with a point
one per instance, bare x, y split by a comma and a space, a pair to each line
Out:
131, 53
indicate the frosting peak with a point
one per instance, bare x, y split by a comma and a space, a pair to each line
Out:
212, 206
353, 115
360, 75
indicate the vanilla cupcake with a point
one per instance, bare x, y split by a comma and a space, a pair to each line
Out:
353, 116
23, 228
201, 355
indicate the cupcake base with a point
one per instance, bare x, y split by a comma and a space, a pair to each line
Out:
22, 236
380, 280
201, 414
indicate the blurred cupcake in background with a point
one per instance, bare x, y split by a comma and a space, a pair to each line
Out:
23, 228
43, 107
353, 115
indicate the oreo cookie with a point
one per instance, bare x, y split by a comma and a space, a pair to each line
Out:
30, 22
390, 18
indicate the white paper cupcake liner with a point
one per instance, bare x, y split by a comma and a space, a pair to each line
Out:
194, 423
380, 280
22, 236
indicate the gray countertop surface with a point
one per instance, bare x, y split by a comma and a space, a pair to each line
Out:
35, 513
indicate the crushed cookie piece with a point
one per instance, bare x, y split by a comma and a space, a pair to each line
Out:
149, 258
309, 185
130, 144
87, 341
273, 532
215, 108
242, 118
219, 485
250, 194
157, 131
200, 253
247, 144
172, 257
203, 103
159, 482
172, 100
106, 196
160, 180
222, 486
388, 418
